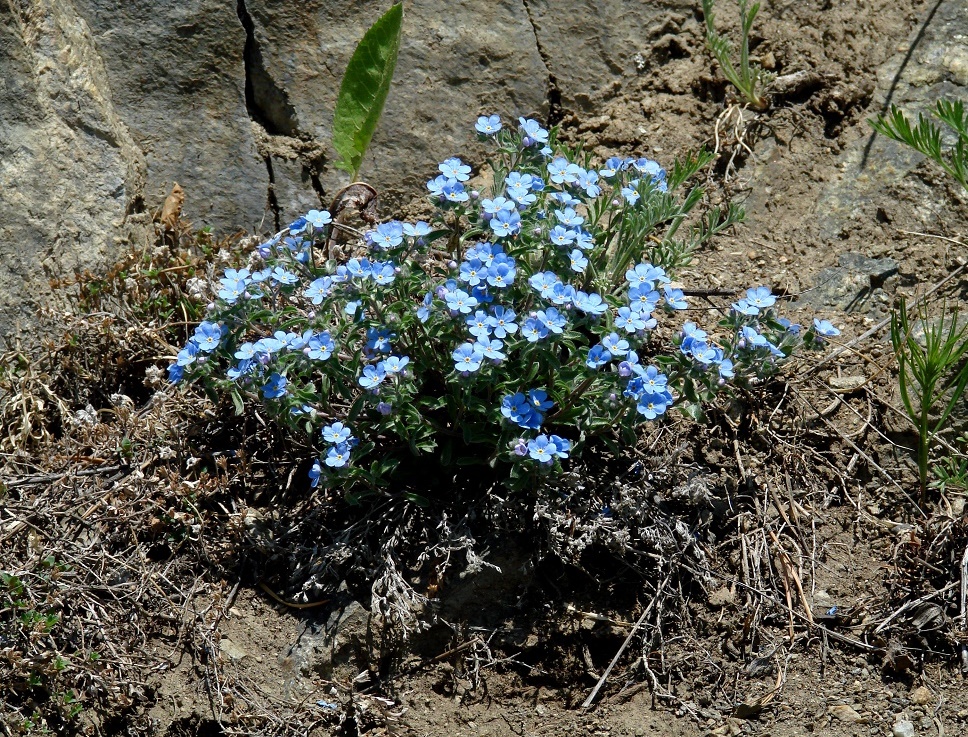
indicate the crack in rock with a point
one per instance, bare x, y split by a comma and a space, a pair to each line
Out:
555, 112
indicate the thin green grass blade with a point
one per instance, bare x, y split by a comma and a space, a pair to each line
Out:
364, 89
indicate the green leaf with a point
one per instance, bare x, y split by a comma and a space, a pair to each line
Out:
364, 89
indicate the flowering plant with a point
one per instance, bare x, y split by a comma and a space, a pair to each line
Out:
530, 315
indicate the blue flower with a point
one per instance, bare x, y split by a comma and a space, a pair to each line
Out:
436, 185
517, 179
675, 298
479, 324
175, 373
591, 304
502, 321
628, 320
240, 370
557, 170
753, 338
653, 405
631, 194
455, 169
297, 226
588, 181
383, 273
645, 275
372, 376
532, 129
569, 218
268, 346
518, 409
578, 261
760, 297
379, 340
652, 381
454, 191
188, 354
467, 357
584, 240
745, 308
338, 456
460, 301
395, 364
523, 196
493, 207
552, 319
562, 446
825, 328
283, 276
564, 198
207, 336
318, 218
488, 125
615, 345
612, 167
275, 386
562, 294
726, 369
417, 230
423, 312
538, 399
544, 282
386, 235
505, 223
490, 349
336, 433
533, 330
319, 289
314, 473
561, 236
541, 449
320, 347
703, 353
597, 357
233, 275
501, 275
231, 291
471, 272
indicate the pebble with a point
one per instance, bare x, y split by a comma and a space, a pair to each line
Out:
922, 696
903, 728
846, 713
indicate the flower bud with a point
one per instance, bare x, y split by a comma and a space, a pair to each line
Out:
384, 408
210, 306
521, 447
526, 141
451, 265
615, 203
306, 351
474, 194
311, 315
441, 292
624, 370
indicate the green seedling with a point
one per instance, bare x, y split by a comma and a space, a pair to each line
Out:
363, 92
932, 374
749, 79
925, 137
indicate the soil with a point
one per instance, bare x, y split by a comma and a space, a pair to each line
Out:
517, 652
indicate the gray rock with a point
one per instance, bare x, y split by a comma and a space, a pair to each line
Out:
903, 728
855, 285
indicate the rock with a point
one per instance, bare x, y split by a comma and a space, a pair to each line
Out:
903, 728
846, 713
854, 285
843, 385
922, 696
232, 650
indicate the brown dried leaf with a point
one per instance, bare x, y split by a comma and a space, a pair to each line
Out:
173, 207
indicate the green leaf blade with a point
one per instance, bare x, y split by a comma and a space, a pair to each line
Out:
364, 89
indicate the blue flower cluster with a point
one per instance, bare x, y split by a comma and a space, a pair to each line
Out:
534, 304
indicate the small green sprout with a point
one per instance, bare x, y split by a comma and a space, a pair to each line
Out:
925, 137
933, 374
751, 80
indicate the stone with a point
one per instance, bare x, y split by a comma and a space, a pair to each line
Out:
903, 728
232, 650
853, 285
846, 713
922, 696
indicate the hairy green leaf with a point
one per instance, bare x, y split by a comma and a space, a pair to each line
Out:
364, 89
